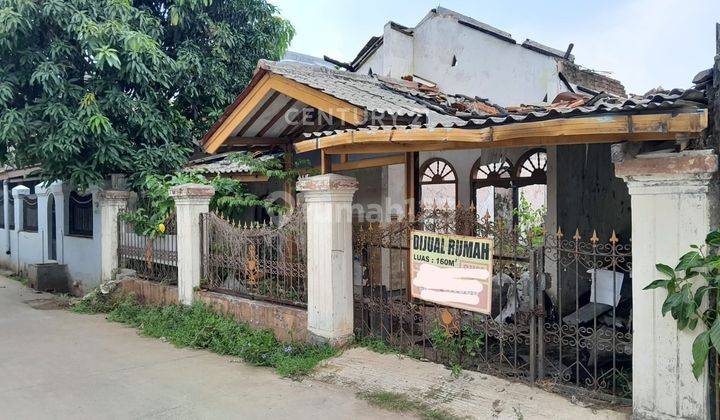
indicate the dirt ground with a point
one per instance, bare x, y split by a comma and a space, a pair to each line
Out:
473, 394
57, 364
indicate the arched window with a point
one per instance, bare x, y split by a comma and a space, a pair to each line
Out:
530, 178
492, 184
531, 168
438, 183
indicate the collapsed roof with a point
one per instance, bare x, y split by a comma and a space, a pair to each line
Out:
377, 103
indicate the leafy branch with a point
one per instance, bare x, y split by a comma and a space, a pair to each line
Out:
689, 286
231, 196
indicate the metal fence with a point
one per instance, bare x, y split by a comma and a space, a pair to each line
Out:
540, 329
258, 261
152, 258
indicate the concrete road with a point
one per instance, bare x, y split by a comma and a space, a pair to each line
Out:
57, 364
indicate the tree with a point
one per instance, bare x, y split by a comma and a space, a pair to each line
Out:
93, 87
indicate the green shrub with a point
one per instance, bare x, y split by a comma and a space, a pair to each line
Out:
198, 326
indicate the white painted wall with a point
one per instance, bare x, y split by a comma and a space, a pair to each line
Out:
487, 66
80, 254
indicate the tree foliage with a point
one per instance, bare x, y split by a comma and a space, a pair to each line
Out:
93, 87
690, 286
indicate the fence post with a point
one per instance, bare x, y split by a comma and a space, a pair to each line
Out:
673, 202
111, 202
328, 201
191, 200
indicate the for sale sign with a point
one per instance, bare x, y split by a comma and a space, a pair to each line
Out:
452, 270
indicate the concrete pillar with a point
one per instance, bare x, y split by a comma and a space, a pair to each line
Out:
111, 203
18, 193
328, 201
60, 191
190, 201
41, 193
673, 199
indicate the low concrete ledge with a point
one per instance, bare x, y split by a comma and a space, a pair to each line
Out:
287, 323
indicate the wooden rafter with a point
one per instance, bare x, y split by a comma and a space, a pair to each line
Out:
258, 113
276, 117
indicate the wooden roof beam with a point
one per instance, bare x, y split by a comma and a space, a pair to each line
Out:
578, 130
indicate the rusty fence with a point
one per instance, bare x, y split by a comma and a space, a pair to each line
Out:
153, 257
551, 322
257, 261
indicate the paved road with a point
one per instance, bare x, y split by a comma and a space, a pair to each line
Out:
56, 364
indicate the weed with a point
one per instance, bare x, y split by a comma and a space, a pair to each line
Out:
518, 414
401, 403
198, 326
20, 278
379, 346
456, 370
95, 303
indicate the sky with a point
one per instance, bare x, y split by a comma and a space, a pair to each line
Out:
643, 43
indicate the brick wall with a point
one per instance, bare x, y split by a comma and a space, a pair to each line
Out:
287, 322
590, 79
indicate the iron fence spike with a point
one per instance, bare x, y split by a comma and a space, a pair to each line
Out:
577, 236
613, 238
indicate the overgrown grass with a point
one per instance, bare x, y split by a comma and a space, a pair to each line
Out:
198, 326
20, 278
401, 403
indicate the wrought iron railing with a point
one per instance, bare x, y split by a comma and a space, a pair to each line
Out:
152, 257
530, 333
259, 261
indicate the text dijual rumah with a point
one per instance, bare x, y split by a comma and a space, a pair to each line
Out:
452, 247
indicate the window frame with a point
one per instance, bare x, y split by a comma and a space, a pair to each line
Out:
536, 178
514, 181
25, 226
426, 165
73, 230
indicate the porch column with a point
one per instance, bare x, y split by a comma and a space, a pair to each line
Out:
19, 192
673, 201
190, 201
111, 203
328, 201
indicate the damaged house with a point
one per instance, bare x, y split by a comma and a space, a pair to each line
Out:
457, 115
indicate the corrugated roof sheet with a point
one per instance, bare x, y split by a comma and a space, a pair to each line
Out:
220, 164
570, 105
388, 97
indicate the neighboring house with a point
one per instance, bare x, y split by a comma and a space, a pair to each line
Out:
458, 54
52, 223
